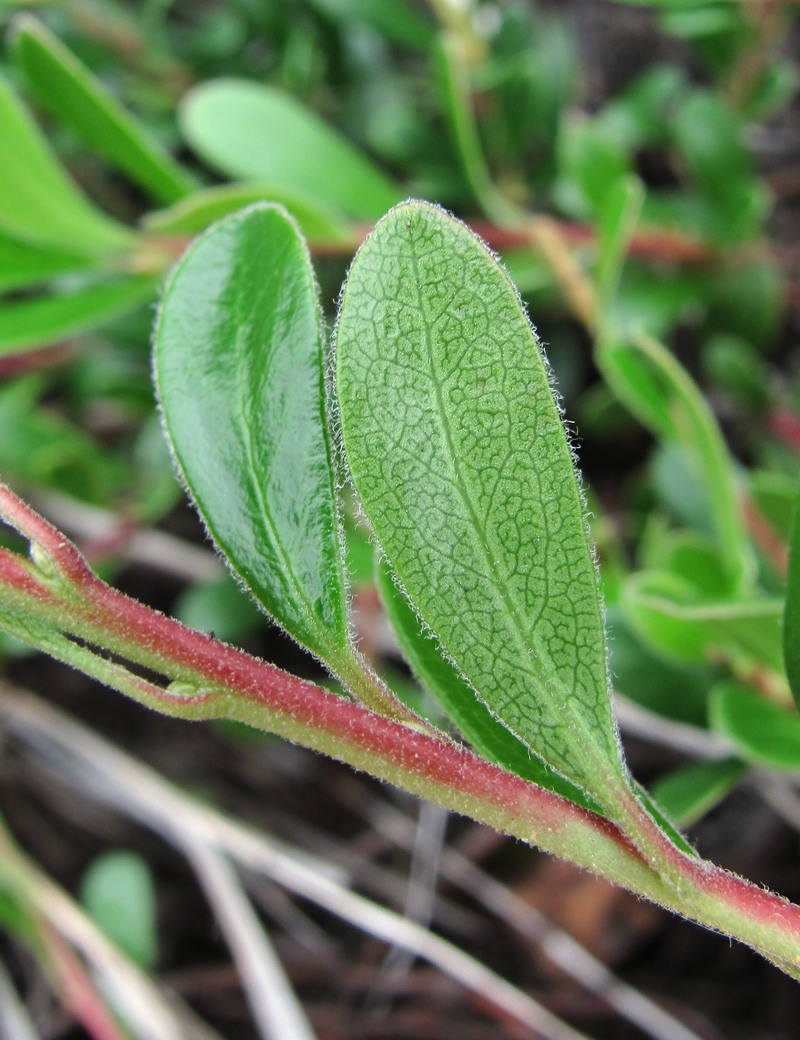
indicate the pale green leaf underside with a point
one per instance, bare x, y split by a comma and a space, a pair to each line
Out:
458, 453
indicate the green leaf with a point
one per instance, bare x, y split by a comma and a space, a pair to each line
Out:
474, 720
762, 732
39, 446
617, 221
459, 456
23, 264
202, 208
220, 607
690, 792
38, 202
661, 393
70, 92
33, 323
662, 685
791, 611
238, 364
250, 131
119, 895
666, 609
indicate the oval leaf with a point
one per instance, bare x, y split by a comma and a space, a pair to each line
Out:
78, 99
254, 132
38, 202
238, 365
458, 453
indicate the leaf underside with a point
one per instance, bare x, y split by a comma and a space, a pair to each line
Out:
459, 456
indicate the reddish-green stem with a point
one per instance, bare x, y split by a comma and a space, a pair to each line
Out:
57, 593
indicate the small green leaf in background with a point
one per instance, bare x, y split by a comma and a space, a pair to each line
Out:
688, 793
70, 92
39, 204
763, 732
40, 447
23, 264
38, 322
791, 612
253, 132
196, 212
220, 607
474, 720
239, 371
660, 392
667, 610
119, 895
459, 456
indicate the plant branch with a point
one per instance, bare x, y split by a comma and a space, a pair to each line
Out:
56, 589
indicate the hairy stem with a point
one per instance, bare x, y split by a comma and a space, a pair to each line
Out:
57, 593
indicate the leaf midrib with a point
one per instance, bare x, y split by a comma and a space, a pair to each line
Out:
522, 639
307, 615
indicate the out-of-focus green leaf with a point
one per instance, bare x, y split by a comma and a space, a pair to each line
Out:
737, 367
253, 132
775, 495
661, 684
690, 792
239, 371
64, 85
762, 732
592, 165
396, 20
23, 264
665, 609
660, 392
41, 447
119, 895
616, 224
202, 208
220, 607
34, 323
38, 202
791, 613
700, 20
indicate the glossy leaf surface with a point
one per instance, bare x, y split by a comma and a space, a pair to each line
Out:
459, 456
473, 719
254, 132
238, 364
79, 100
38, 202
791, 611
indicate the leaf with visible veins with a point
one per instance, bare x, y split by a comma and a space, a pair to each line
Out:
458, 453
